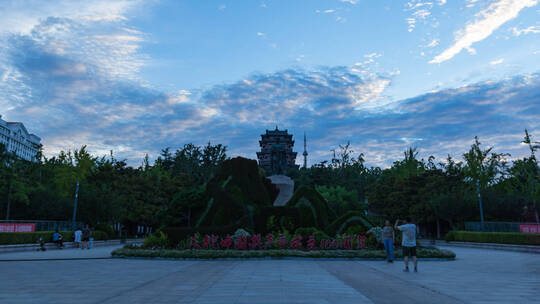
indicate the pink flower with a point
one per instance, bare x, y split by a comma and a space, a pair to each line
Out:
296, 242
194, 242
269, 241
282, 242
206, 242
226, 242
255, 242
241, 243
311, 243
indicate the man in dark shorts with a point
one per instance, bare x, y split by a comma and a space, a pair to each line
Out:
408, 242
85, 237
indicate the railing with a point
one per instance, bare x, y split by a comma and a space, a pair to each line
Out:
495, 226
48, 225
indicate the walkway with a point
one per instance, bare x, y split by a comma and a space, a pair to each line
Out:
477, 276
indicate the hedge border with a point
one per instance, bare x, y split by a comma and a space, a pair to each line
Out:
513, 238
285, 253
15, 238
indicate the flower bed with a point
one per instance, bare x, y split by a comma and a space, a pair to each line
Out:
130, 251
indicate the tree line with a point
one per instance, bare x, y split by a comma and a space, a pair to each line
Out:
163, 192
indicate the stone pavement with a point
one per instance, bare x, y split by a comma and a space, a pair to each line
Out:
477, 276
61, 254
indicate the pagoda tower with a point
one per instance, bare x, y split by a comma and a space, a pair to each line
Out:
276, 155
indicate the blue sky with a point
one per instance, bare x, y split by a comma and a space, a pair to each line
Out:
139, 76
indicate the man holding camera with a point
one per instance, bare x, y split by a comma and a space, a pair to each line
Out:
408, 242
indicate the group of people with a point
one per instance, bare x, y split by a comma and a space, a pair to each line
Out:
408, 241
81, 238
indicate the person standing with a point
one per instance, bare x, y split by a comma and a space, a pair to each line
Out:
78, 237
388, 241
408, 242
85, 237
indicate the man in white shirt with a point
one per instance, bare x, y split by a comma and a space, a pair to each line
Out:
78, 236
408, 242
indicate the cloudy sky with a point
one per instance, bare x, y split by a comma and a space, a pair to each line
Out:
139, 76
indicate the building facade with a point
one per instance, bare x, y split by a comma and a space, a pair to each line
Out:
276, 156
18, 141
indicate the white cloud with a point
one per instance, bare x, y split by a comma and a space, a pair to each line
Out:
329, 11
222, 7
260, 34
372, 55
498, 61
487, 21
20, 16
182, 96
442, 2
533, 29
433, 43
353, 2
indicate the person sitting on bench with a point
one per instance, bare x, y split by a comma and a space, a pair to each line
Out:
57, 239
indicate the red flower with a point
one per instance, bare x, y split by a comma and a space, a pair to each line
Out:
296, 242
194, 242
348, 244
214, 244
282, 242
361, 241
226, 242
241, 242
311, 243
206, 242
269, 241
255, 242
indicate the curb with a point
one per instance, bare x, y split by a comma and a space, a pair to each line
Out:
506, 247
54, 259
275, 258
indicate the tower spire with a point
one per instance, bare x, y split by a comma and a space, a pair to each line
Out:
305, 151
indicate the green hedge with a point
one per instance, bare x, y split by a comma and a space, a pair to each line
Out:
494, 237
11, 238
350, 218
215, 254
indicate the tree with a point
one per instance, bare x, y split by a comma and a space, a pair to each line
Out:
483, 167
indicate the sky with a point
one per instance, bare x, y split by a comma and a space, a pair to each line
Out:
139, 76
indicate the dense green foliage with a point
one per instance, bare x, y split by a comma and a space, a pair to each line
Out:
434, 193
494, 237
110, 191
9, 238
216, 254
199, 189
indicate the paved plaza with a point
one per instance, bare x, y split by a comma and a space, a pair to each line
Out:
476, 276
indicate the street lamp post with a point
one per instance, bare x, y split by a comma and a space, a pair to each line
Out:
75, 206
480, 205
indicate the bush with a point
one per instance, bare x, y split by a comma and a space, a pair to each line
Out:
106, 228
305, 232
11, 238
355, 230
494, 237
156, 240
351, 218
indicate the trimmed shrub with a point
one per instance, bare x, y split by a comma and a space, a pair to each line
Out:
351, 218
312, 204
12, 238
305, 232
156, 240
106, 228
494, 237
355, 230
